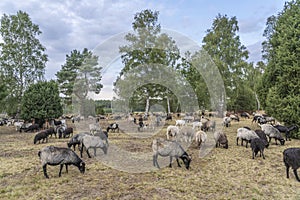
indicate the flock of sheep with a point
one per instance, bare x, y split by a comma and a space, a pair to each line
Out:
170, 146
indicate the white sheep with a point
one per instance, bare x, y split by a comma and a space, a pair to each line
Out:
200, 137
245, 135
187, 133
180, 122
172, 131
197, 125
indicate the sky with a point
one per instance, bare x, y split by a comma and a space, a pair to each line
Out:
76, 24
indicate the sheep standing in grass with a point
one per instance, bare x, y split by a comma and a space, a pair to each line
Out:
42, 135
94, 142
172, 149
76, 139
245, 135
272, 132
186, 133
200, 137
257, 145
179, 122
172, 131
262, 136
221, 139
226, 121
51, 155
291, 158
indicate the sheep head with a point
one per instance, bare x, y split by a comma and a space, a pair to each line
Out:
186, 160
81, 167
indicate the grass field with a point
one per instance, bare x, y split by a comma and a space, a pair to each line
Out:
221, 174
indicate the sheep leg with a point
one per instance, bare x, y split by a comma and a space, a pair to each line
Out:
87, 151
155, 163
262, 153
81, 150
237, 141
94, 151
296, 175
45, 171
170, 165
287, 170
253, 154
61, 167
67, 168
178, 162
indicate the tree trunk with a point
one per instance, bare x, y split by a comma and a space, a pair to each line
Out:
168, 104
257, 101
147, 105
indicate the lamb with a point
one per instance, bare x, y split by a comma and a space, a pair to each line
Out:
221, 139
172, 131
51, 155
257, 145
200, 137
43, 135
94, 142
76, 139
169, 148
291, 158
272, 132
245, 135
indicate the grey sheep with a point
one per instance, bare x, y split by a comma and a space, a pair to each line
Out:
272, 132
76, 139
172, 149
291, 158
51, 155
245, 135
221, 139
94, 142
257, 145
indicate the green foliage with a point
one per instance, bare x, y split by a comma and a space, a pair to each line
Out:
41, 101
147, 50
223, 44
280, 83
79, 75
22, 57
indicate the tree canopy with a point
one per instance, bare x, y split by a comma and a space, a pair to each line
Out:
41, 101
280, 82
22, 56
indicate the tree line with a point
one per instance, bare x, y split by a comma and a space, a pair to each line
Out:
271, 84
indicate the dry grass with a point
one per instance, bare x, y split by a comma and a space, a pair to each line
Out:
222, 174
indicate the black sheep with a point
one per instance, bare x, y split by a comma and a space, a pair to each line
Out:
262, 136
257, 145
291, 158
33, 127
52, 155
43, 135
113, 127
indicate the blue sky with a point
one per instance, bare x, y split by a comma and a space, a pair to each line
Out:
76, 24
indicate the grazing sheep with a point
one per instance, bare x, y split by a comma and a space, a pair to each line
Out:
200, 137
76, 139
172, 131
51, 131
257, 145
272, 132
179, 122
286, 130
245, 135
113, 127
94, 142
291, 158
43, 135
226, 121
169, 148
94, 128
33, 127
245, 115
64, 131
51, 155
221, 139
197, 125
234, 117
262, 136
187, 133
